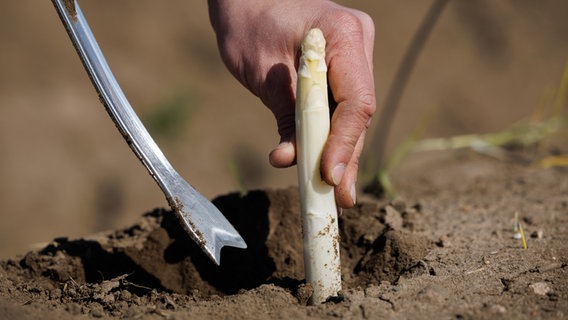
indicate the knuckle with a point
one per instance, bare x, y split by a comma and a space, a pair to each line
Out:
354, 22
367, 104
350, 23
367, 22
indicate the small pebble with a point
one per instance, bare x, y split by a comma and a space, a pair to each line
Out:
549, 267
540, 288
497, 309
443, 242
537, 234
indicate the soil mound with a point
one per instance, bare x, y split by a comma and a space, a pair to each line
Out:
155, 256
452, 255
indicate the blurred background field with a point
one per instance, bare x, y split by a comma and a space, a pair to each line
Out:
66, 171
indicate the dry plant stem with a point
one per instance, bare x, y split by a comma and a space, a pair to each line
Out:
372, 162
523, 236
319, 212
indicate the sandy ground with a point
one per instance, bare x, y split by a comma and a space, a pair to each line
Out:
66, 172
444, 250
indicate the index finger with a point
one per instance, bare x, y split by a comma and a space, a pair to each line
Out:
351, 81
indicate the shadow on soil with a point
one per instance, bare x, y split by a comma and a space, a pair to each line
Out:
156, 253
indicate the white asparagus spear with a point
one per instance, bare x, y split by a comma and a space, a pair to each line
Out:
319, 212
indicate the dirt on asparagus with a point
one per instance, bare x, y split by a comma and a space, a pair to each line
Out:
446, 250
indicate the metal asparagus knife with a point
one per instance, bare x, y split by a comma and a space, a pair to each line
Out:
199, 217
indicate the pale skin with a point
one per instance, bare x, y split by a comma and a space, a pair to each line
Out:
259, 41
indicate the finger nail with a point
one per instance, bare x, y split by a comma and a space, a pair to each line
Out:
337, 173
353, 193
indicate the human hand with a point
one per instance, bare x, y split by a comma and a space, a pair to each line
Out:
259, 41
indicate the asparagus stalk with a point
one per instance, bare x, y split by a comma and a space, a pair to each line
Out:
319, 212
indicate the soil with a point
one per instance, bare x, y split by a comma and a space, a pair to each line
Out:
70, 7
66, 170
446, 251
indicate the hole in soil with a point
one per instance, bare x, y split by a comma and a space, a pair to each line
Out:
156, 253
